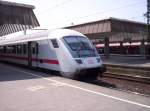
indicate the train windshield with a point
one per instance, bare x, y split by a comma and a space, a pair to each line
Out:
80, 46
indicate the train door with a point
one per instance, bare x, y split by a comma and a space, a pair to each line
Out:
34, 48
32, 54
29, 54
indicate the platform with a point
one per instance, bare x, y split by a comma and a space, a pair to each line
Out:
29, 90
125, 60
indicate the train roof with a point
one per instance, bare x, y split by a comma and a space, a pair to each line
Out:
41, 35
59, 33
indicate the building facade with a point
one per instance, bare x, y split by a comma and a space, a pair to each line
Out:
115, 36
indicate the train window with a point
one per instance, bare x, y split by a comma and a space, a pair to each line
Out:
80, 46
77, 43
37, 48
24, 48
33, 49
1, 49
19, 49
4, 51
14, 49
55, 43
8, 49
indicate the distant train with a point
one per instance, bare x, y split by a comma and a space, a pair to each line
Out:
115, 48
63, 50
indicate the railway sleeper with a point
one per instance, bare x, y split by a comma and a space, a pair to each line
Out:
134, 78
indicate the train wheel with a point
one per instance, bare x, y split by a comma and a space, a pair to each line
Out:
90, 75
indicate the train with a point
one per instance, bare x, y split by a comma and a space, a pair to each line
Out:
132, 48
63, 50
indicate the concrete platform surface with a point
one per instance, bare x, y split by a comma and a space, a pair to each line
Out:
27, 90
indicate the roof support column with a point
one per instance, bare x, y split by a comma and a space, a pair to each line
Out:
148, 30
121, 48
106, 48
142, 48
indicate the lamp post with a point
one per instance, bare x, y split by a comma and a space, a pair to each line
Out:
148, 30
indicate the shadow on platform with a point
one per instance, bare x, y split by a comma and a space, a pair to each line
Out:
9, 72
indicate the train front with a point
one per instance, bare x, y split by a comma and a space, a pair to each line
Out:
87, 61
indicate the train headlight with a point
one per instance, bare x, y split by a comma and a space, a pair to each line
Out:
98, 59
79, 61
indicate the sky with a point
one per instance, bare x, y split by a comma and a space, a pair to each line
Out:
61, 13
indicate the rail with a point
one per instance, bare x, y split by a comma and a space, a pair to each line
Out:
136, 74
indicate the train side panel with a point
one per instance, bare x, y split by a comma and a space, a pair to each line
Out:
19, 57
66, 62
46, 57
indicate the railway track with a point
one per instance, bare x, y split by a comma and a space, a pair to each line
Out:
127, 77
132, 73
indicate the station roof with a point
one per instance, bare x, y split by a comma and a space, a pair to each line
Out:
15, 17
114, 28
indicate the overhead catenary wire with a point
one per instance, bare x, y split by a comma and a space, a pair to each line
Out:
110, 10
75, 19
107, 11
94, 13
57, 5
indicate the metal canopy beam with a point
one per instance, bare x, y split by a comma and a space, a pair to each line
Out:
15, 17
109, 26
115, 29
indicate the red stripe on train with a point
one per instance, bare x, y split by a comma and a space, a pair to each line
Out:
48, 61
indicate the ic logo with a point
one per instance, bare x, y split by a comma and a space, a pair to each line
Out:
90, 62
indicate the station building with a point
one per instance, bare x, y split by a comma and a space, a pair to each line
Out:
115, 36
15, 17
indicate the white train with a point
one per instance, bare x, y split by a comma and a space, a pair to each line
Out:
63, 50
